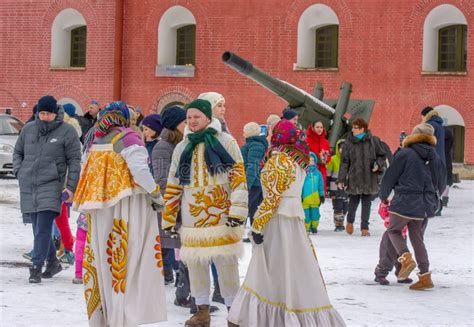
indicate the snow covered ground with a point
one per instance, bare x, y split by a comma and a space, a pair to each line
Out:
347, 264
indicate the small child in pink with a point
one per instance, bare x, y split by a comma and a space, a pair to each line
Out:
387, 254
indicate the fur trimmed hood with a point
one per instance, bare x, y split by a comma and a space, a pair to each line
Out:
418, 138
431, 114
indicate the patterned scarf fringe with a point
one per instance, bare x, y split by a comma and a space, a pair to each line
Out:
299, 157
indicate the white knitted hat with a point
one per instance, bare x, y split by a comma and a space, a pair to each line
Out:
213, 97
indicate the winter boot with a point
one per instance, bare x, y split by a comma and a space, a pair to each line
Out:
445, 200
216, 296
67, 258
77, 280
231, 324
382, 281
405, 281
407, 265
169, 278
185, 303
365, 232
52, 268
193, 307
201, 318
28, 255
350, 228
35, 274
423, 283
339, 229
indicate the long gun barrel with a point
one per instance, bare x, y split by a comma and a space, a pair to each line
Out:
294, 96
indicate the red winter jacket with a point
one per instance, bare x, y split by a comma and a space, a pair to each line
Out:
318, 143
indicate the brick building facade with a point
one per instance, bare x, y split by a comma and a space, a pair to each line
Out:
383, 49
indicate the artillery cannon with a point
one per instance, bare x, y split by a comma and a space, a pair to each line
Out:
334, 114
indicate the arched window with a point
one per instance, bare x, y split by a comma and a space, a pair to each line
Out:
445, 40
176, 43
318, 38
68, 39
452, 50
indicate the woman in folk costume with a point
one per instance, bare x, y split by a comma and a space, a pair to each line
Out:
274, 293
123, 274
207, 183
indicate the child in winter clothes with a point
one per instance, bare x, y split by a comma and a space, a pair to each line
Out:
313, 194
338, 196
387, 254
81, 235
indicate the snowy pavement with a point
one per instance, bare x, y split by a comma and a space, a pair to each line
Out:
347, 264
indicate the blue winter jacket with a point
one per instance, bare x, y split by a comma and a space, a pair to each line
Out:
417, 178
436, 121
253, 152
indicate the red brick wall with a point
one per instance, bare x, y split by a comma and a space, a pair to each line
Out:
25, 54
380, 53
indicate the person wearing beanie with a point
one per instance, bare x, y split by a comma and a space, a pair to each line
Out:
123, 274
253, 152
431, 116
70, 118
152, 127
207, 180
173, 120
291, 115
50, 151
218, 107
416, 177
70, 109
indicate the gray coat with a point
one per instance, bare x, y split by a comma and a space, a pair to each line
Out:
161, 160
44, 153
356, 160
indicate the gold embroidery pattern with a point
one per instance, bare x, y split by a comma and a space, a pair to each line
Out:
92, 293
283, 305
214, 206
196, 166
237, 176
204, 243
117, 254
277, 176
158, 254
172, 199
103, 177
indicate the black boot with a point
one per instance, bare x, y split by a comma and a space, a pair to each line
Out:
382, 280
52, 268
35, 274
169, 278
445, 200
216, 296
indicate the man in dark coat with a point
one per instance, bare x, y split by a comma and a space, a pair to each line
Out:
46, 150
416, 177
88, 120
362, 161
448, 152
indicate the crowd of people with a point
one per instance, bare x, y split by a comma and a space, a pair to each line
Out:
165, 199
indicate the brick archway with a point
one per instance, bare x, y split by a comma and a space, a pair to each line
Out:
72, 92
174, 94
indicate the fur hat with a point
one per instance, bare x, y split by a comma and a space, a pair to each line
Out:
172, 117
213, 97
153, 122
202, 105
69, 109
251, 129
423, 128
48, 103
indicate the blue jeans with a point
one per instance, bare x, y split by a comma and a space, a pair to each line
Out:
43, 244
169, 261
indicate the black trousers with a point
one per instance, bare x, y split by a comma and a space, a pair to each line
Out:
354, 204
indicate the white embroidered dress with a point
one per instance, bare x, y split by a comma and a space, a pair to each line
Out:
123, 267
283, 286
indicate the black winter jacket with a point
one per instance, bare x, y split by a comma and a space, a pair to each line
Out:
417, 177
356, 159
43, 154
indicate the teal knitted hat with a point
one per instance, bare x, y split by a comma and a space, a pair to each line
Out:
202, 105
